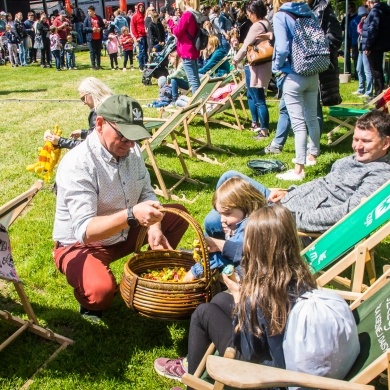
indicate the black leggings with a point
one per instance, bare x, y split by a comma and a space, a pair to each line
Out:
210, 322
127, 55
114, 60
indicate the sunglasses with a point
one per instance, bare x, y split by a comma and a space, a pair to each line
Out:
122, 138
84, 97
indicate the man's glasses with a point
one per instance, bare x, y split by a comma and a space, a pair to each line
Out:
122, 138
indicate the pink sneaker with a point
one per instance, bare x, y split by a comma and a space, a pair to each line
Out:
171, 368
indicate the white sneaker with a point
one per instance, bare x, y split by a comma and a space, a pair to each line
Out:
356, 93
124, 69
291, 175
308, 162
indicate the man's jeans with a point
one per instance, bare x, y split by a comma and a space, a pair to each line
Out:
191, 69
283, 126
79, 29
212, 222
23, 51
63, 55
142, 52
300, 94
256, 102
95, 48
364, 73
176, 84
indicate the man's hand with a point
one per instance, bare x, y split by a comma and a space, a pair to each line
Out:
367, 52
214, 245
156, 238
233, 287
147, 213
276, 195
75, 134
49, 136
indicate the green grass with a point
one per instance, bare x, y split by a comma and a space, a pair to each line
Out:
119, 353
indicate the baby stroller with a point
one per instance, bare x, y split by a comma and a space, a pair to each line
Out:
4, 56
158, 65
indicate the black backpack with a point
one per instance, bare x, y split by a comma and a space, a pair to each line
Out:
201, 37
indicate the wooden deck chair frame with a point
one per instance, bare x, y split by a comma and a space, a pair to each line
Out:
238, 374
347, 122
200, 98
8, 213
331, 253
169, 128
226, 104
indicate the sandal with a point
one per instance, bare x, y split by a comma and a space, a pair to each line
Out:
262, 135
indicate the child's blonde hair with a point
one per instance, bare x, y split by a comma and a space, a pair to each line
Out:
69, 36
177, 59
8, 27
124, 28
237, 193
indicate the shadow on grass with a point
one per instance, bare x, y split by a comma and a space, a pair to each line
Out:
102, 351
23, 91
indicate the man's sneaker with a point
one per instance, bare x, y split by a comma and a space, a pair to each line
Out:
171, 368
92, 315
291, 175
308, 162
270, 150
357, 93
124, 69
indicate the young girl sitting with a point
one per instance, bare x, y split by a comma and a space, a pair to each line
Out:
215, 54
234, 42
234, 200
127, 42
177, 77
275, 275
112, 47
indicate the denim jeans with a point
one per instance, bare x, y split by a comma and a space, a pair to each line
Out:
212, 222
300, 94
79, 29
225, 44
256, 102
364, 73
283, 126
62, 53
176, 84
23, 51
191, 69
70, 60
95, 48
142, 52
57, 57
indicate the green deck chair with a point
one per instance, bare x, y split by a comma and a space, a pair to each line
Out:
168, 128
8, 214
198, 101
371, 315
351, 240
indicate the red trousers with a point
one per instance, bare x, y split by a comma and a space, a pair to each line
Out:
87, 267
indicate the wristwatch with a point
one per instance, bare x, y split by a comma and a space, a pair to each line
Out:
131, 220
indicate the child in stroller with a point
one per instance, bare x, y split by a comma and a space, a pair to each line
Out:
158, 65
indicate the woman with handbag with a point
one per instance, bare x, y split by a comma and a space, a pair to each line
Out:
257, 76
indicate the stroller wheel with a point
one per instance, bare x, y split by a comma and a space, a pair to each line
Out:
146, 81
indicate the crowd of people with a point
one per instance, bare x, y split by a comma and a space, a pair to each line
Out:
104, 193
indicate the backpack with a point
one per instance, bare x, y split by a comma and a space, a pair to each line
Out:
261, 167
201, 38
321, 336
310, 53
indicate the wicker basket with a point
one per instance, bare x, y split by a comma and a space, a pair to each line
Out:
167, 300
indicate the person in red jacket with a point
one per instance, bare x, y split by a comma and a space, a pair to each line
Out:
138, 31
185, 31
63, 28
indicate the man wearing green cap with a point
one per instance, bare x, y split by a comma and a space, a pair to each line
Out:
104, 196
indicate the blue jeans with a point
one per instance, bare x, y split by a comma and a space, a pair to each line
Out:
191, 69
95, 52
300, 94
70, 60
23, 51
256, 102
225, 44
57, 57
212, 222
364, 74
142, 52
176, 84
79, 29
283, 126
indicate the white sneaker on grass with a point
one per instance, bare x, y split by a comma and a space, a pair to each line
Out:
308, 162
291, 175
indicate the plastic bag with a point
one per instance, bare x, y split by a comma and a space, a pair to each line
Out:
321, 336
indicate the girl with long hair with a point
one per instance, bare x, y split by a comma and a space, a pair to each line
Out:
253, 317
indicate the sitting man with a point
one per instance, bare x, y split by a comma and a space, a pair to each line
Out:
104, 195
319, 204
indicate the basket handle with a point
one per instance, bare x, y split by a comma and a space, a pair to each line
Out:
199, 234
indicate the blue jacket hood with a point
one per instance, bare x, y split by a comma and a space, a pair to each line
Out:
299, 9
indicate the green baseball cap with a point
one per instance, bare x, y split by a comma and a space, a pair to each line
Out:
127, 114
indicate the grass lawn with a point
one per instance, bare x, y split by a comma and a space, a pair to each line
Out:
119, 353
